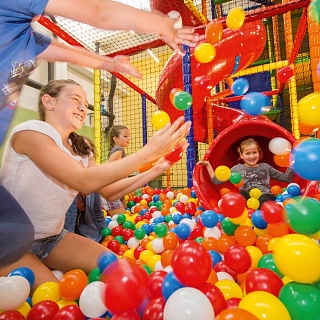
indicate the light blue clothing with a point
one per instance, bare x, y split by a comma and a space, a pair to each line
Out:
93, 221
19, 47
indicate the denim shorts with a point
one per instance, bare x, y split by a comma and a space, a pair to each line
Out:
42, 247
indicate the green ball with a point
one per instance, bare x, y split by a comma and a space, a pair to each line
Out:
228, 227
168, 217
128, 225
161, 230
303, 216
198, 239
302, 300
235, 177
182, 100
140, 233
130, 204
266, 261
94, 275
121, 218
106, 232
119, 239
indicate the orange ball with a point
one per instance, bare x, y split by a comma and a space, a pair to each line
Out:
245, 236
278, 229
210, 243
262, 242
224, 191
213, 278
166, 257
170, 241
224, 242
275, 190
145, 167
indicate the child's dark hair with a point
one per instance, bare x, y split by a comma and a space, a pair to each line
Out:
244, 144
81, 145
115, 132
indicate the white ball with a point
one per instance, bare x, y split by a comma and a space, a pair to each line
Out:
170, 195
184, 199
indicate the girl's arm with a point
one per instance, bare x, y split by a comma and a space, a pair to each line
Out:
49, 158
57, 51
288, 176
111, 15
208, 166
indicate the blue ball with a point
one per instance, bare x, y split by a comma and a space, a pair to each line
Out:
183, 231
215, 256
147, 227
258, 221
105, 260
209, 218
176, 218
23, 272
170, 284
294, 190
305, 159
253, 102
240, 86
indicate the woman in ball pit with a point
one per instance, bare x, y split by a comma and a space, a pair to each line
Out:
44, 169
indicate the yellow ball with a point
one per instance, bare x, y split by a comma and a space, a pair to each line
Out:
46, 291
222, 173
146, 255
253, 203
129, 254
255, 193
24, 309
153, 260
240, 219
309, 109
63, 303
235, 18
159, 119
255, 254
229, 289
204, 52
298, 257
264, 305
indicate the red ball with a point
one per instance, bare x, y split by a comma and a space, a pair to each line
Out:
11, 315
232, 204
155, 284
237, 259
70, 312
191, 264
175, 155
154, 309
44, 310
215, 296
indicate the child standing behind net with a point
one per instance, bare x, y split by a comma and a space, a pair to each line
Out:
119, 137
254, 174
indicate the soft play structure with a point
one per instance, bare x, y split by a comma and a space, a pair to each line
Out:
223, 151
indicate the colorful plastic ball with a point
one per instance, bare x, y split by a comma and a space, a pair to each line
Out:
170, 285
209, 218
228, 227
191, 263
305, 159
240, 86
303, 216
302, 300
14, 290
235, 18
173, 92
314, 11
11, 315
275, 190
263, 279
255, 193
175, 155
280, 146
229, 288
23, 272
126, 286
294, 190
70, 312
282, 160
204, 52
272, 212
214, 31
285, 74
309, 109
46, 291
235, 177
183, 231
253, 103
264, 305
237, 259
45, 310
245, 236
235, 314
154, 309
267, 261
215, 296
182, 100
72, 284
188, 304
258, 220
159, 119
232, 205
253, 203
91, 301
222, 173
301, 252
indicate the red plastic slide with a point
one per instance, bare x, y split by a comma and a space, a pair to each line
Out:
223, 151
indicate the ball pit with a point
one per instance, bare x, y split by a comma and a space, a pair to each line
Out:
180, 261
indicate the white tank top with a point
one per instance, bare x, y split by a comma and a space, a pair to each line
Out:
44, 199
